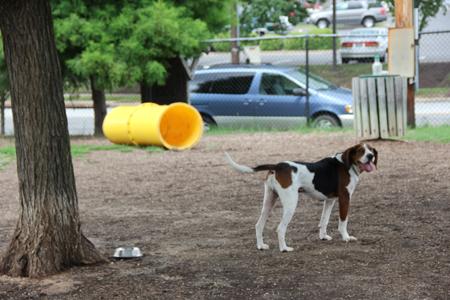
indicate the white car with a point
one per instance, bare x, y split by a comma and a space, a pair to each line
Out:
364, 44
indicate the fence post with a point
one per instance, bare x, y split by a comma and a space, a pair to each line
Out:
334, 36
307, 80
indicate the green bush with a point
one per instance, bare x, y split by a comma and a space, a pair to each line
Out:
226, 46
250, 43
223, 46
315, 43
294, 44
320, 43
270, 45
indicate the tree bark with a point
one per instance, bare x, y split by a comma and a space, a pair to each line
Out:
48, 236
98, 96
234, 44
176, 88
2, 113
146, 92
404, 18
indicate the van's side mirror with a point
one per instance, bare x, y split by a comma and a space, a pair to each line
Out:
299, 92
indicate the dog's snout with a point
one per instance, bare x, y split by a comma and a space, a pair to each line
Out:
370, 156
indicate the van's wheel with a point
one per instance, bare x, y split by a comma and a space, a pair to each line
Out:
326, 121
345, 60
323, 23
368, 22
208, 123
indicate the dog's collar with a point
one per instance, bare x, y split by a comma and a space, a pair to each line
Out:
338, 157
353, 167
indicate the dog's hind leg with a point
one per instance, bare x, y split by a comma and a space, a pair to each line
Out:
327, 207
269, 200
289, 199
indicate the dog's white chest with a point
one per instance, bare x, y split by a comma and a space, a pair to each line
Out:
354, 178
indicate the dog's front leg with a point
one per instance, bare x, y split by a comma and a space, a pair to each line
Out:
289, 199
344, 204
327, 207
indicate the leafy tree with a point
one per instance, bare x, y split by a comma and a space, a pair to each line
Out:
99, 62
427, 9
257, 13
48, 236
215, 13
4, 87
156, 34
107, 40
86, 48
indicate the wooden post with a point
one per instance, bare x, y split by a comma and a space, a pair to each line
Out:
234, 44
404, 18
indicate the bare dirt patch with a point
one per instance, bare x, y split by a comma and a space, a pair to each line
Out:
193, 217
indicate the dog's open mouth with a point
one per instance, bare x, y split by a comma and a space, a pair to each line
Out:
367, 166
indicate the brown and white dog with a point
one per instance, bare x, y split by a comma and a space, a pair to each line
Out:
330, 179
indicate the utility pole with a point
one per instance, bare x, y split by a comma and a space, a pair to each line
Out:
334, 38
235, 44
404, 18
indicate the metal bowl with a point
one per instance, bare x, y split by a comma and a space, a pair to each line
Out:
127, 252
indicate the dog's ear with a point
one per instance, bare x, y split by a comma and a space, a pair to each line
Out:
376, 156
347, 156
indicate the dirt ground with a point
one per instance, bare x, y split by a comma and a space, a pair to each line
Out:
193, 217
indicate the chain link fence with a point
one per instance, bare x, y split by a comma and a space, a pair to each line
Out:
432, 100
265, 83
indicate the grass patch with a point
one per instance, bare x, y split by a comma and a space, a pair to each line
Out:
439, 92
154, 149
302, 129
344, 73
429, 134
305, 26
7, 155
83, 150
125, 98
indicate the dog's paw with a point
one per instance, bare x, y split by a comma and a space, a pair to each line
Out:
325, 237
287, 249
350, 238
263, 247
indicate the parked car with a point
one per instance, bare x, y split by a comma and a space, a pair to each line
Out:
352, 12
283, 25
308, 6
364, 44
267, 96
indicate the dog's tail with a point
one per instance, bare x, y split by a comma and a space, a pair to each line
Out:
248, 169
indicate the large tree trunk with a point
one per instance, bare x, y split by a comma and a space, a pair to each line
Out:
176, 88
98, 96
2, 113
146, 92
48, 236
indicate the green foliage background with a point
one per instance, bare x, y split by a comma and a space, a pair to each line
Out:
119, 43
315, 43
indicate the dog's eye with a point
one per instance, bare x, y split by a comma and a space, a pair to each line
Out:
361, 150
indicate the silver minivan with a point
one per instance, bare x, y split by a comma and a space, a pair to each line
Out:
352, 12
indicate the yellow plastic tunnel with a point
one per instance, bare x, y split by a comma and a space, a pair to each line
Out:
176, 126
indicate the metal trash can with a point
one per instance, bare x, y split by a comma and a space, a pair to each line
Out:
379, 105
